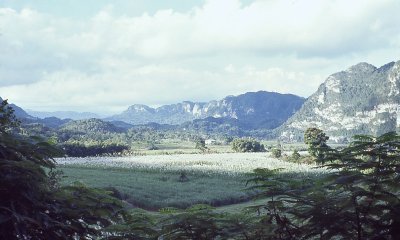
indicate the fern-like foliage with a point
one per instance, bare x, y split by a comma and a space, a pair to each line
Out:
358, 197
32, 204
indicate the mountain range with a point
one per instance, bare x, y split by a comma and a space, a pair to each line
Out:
63, 114
362, 99
252, 110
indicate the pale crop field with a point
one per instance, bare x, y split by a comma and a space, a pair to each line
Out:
220, 163
153, 181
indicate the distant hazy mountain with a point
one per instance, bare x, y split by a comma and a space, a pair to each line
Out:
361, 100
64, 114
19, 112
26, 118
252, 110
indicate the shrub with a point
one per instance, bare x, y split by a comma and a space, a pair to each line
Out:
247, 145
81, 150
276, 152
151, 146
201, 144
295, 155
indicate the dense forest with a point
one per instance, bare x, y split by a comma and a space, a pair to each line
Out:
93, 137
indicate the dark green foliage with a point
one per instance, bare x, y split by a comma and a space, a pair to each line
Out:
90, 125
303, 159
85, 211
196, 222
316, 140
276, 152
245, 225
295, 155
7, 117
138, 225
358, 199
200, 144
32, 204
247, 145
81, 150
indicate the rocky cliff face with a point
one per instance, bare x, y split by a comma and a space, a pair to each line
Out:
254, 109
361, 100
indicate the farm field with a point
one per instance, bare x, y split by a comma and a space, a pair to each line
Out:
166, 148
174, 146
177, 146
180, 180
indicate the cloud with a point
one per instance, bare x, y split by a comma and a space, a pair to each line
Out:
143, 85
107, 61
286, 26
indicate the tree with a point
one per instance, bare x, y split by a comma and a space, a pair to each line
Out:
316, 140
276, 152
7, 118
201, 144
357, 198
247, 145
32, 206
296, 155
196, 222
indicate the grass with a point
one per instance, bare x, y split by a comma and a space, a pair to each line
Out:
171, 146
151, 190
153, 181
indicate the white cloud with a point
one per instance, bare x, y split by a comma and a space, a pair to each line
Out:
155, 85
106, 61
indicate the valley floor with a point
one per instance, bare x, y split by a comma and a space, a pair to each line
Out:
178, 180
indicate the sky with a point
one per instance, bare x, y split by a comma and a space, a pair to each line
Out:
103, 56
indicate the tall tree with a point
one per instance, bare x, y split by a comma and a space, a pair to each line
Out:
32, 206
316, 140
358, 197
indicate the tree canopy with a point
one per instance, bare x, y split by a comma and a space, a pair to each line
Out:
32, 204
316, 140
247, 145
357, 198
